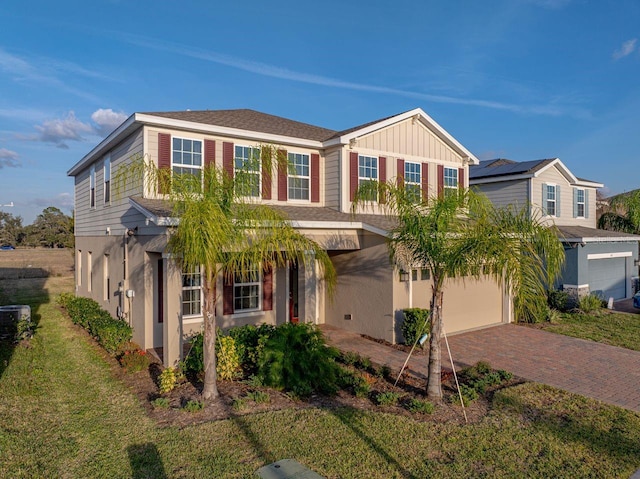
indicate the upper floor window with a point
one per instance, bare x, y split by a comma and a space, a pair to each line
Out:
247, 170
299, 176
107, 179
186, 156
412, 180
191, 292
368, 172
550, 203
92, 187
580, 203
450, 180
246, 291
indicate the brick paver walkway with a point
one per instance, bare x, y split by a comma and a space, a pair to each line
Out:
591, 369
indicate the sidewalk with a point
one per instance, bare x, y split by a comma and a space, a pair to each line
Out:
595, 370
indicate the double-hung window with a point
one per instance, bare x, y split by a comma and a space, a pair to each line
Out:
450, 180
92, 187
550, 200
246, 291
191, 292
299, 177
186, 156
368, 173
107, 179
580, 203
247, 170
412, 180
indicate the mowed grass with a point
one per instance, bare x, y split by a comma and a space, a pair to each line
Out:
62, 414
616, 329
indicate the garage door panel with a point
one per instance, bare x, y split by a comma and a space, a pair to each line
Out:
608, 278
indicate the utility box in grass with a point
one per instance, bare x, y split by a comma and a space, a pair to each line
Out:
286, 469
9, 318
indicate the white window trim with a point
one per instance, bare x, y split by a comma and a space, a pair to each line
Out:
92, 187
258, 282
180, 165
583, 203
259, 172
308, 177
368, 178
191, 288
413, 183
455, 177
107, 161
545, 200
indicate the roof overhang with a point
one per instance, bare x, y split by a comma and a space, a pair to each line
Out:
418, 115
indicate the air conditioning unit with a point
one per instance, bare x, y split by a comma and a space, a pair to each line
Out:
9, 317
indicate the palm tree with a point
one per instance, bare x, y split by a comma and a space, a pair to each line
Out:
623, 214
462, 235
224, 232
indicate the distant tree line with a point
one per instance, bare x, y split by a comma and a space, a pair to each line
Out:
51, 229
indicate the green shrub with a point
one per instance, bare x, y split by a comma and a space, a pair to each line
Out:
420, 406
194, 361
558, 300
415, 324
167, 380
227, 358
24, 328
363, 363
134, 360
258, 396
388, 398
254, 381
469, 394
295, 358
160, 402
193, 406
250, 341
553, 315
239, 404
505, 375
383, 372
590, 304
349, 358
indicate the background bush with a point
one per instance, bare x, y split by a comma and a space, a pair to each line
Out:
558, 300
415, 324
250, 341
590, 304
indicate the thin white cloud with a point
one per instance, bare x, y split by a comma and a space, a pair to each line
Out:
23, 114
62, 201
552, 4
106, 120
61, 130
265, 69
626, 49
8, 158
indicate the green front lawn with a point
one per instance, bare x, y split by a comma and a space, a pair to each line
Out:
63, 414
616, 329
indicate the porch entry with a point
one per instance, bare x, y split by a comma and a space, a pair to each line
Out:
293, 292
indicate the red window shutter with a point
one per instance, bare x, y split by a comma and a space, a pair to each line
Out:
424, 179
164, 161
267, 289
315, 178
461, 178
266, 166
283, 186
209, 153
382, 175
353, 174
440, 181
227, 296
400, 173
227, 158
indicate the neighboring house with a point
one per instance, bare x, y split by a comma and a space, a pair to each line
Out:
597, 261
121, 240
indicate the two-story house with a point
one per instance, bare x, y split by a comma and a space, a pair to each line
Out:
597, 261
122, 259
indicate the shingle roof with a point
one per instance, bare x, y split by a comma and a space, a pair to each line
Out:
251, 120
505, 167
583, 234
162, 209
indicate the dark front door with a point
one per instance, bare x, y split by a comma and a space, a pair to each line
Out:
293, 291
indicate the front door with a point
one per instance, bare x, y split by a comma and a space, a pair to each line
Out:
293, 291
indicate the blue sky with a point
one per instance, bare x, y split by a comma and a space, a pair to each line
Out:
519, 79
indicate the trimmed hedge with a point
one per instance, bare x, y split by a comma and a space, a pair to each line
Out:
112, 334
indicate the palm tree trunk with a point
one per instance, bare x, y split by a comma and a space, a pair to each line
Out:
434, 379
210, 389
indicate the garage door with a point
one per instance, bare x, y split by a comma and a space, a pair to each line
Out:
608, 277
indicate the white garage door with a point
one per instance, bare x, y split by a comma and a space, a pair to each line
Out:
608, 277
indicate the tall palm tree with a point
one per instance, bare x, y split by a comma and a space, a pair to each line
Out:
223, 232
462, 235
623, 214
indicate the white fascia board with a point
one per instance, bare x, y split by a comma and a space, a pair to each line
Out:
587, 239
102, 146
157, 220
225, 131
339, 225
416, 112
563, 169
589, 184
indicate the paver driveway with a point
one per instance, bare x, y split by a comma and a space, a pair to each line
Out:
599, 371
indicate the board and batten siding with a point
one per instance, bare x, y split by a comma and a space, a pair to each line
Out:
94, 221
332, 178
553, 176
505, 193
